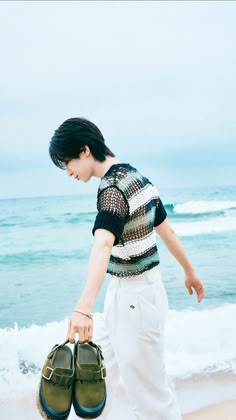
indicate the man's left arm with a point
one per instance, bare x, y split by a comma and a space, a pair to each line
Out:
172, 242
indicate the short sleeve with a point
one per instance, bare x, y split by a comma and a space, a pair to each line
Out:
112, 213
160, 213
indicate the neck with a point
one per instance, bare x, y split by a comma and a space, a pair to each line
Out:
102, 167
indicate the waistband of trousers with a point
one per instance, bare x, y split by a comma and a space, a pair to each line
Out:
147, 277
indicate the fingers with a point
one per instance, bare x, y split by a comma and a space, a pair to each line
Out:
85, 332
200, 293
70, 336
83, 335
192, 282
71, 333
190, 290
90, 333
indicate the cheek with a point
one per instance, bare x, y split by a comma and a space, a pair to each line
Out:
72, 167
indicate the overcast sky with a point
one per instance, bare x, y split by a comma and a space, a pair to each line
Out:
158, 78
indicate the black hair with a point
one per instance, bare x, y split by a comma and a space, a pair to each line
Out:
70, 138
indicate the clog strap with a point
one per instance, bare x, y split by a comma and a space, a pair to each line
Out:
99, 352
56, 347
58, 376
90, 375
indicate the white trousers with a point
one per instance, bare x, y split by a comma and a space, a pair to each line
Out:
131, 334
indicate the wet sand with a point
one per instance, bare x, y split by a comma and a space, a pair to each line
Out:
222, 411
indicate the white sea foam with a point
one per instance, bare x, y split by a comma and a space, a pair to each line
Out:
201, 206
209, 226
201, 341
196, 341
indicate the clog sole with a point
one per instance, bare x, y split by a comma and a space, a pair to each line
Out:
42, 409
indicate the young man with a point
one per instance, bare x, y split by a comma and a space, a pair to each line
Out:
130, 214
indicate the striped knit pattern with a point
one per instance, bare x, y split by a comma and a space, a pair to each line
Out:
130, 207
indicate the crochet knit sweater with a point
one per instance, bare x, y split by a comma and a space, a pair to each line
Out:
129, 206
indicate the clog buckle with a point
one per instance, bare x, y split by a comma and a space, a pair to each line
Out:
103, 369
50, 374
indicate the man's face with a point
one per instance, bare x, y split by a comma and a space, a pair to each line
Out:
80, 168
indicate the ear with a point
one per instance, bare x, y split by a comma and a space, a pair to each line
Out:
86, 150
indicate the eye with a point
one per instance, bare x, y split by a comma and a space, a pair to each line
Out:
66, 161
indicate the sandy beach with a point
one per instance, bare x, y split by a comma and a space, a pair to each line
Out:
222, 411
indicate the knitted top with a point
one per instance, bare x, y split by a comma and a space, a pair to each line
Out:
129, 206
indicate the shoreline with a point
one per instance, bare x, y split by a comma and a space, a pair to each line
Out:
200, 397
200, 391
223, 410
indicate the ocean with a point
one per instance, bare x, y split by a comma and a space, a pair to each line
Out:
45, 246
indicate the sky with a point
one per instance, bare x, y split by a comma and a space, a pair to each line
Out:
156, 77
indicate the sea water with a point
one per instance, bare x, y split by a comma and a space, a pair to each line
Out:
45, 248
